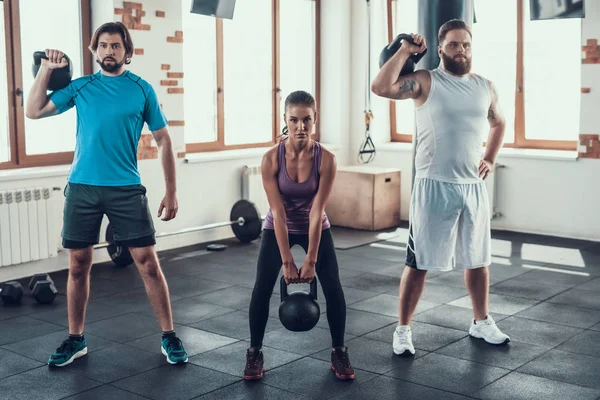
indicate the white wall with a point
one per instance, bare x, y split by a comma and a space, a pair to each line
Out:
206, 189
538, 192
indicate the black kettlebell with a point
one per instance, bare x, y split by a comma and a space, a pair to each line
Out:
299, 311
391, 49
60, 77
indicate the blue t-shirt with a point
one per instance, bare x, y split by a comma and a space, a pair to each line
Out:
111, 111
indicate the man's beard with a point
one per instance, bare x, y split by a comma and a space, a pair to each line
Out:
457, 67
115, 66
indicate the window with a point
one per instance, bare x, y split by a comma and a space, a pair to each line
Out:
522, 61
47, 141
246, 69
405, 18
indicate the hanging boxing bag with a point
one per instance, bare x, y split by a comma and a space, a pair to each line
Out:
214, 8
432, 15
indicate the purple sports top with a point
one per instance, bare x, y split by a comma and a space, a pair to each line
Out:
297, 197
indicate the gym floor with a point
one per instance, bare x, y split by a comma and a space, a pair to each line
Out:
545, 294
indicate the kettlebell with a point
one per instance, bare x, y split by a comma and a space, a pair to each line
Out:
391, 49
299, 311
60, 77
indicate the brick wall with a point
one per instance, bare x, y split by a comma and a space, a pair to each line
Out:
589, 145
156, 29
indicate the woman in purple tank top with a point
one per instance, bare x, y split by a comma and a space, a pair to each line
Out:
298, 175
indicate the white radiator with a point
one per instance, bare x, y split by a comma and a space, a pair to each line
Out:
28, 219
491, 183
252, 188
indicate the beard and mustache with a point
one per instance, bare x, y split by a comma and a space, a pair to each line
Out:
457, 65
115, 66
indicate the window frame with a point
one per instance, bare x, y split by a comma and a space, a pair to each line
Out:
520, 140
16, 107
219, 144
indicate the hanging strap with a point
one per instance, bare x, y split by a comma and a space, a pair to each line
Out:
366, 153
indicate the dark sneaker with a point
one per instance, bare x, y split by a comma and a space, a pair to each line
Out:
340, 363
173, 349
68, 351
254, 364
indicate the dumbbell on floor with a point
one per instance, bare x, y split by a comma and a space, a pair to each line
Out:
11, 293
42, 288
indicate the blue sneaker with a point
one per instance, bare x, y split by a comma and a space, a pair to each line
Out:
173, 349
68, 351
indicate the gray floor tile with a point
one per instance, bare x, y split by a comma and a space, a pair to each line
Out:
562, 315
116, 362
578, 298
587, 342
13, 364
516, 386
373, 282
304, 343
195, 341
235, 297
106, 392
94, 312
448, 373
425, 336
385, 388
231, 359
234, 324
576, 369
321, 384
386, 304
451, 317
509, 356
191, 310
554, 278
41, 347
506, 305
452, 278
537, 332
21, 328
46, 383
529, 290
593, 285
371, 355
360, 322
251, 391
185, 382
442, 294
125, 328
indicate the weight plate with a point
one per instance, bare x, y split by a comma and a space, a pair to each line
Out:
252, 226
119, 255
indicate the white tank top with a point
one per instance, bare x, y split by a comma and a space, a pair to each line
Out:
451, 127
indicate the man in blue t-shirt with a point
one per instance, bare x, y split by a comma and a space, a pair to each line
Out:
112, 106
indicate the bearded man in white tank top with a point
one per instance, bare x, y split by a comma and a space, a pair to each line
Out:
449, 208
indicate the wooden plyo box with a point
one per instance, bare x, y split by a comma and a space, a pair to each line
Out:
365, 197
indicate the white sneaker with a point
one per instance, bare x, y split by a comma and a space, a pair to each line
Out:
488, 331
403, 341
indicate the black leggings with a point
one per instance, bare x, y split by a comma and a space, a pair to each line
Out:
269, 265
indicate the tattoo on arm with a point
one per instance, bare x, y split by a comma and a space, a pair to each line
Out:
407, 88
491, 114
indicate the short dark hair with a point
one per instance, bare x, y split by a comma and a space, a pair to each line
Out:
111, 28
451, 25
299, 98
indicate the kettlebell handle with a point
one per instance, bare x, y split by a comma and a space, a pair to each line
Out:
284, 292
38, 56
405, 36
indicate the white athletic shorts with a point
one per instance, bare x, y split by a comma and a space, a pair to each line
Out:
449, 226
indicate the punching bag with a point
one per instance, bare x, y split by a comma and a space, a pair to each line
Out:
432, 15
